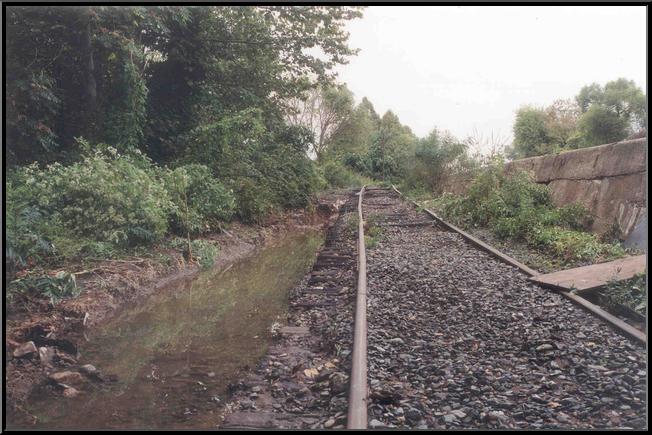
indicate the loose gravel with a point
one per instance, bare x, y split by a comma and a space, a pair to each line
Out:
458, 339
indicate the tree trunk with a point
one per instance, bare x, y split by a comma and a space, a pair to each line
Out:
89, 73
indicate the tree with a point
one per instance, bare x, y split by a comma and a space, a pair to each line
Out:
599, 125
391, 149
611, 113
357, 132
531, 136
435, 157
562, 117
324, 111
133, 75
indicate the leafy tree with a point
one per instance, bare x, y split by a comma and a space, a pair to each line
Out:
531, 135
599, 125
612, 112
357, 132
389, 153
562, 117
323, 111
435, 158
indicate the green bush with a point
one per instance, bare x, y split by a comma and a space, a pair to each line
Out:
199, 199
61, 286
515, 207
108, 198
205, 252
338, 175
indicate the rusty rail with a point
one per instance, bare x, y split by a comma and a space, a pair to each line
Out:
620, 325
358, 392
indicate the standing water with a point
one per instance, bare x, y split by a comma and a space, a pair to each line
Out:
175, 355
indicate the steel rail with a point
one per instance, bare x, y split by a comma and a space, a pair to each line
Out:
620, 325
358, 391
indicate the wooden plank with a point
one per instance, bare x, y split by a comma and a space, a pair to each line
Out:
295, 330
591, 277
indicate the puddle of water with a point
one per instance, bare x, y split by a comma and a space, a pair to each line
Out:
175, 355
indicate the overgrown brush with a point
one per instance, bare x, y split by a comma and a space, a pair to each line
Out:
515, 207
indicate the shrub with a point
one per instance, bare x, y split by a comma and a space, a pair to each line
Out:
515, 207
338, 175
199, 199
205, 252
254, 201
106, 197
61, 286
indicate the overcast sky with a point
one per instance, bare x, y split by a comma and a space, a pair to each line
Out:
468, 69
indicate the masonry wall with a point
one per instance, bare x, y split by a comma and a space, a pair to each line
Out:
610, 180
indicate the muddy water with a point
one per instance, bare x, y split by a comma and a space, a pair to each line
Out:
175, 356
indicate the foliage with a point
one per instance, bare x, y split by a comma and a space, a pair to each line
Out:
599, 125
531, 135
598, 115
323, 111
63, 285
107, 197
514, 207
205, 252
373, 233
631, 292
337, 174
119, 75
199, 199
436, 157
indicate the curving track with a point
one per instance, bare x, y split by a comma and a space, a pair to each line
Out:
459, 339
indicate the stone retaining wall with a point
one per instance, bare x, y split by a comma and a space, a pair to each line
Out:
610, 180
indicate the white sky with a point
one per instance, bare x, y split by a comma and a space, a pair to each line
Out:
469, 69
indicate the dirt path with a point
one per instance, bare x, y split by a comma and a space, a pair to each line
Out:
458, 339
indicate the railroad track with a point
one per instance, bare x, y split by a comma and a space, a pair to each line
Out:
459, 338
431, 329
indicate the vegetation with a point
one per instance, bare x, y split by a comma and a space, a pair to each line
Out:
516, 208
631, 293
373, 233
596, 116
125, 124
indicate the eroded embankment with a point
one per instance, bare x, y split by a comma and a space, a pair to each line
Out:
134, 298
458, 339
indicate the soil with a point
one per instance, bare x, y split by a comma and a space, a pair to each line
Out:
111, 285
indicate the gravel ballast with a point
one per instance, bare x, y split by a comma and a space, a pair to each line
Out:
458, 339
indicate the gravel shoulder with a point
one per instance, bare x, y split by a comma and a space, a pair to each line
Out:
458, 339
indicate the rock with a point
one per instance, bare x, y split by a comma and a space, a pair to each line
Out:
46, 354
338, 383
450, 418
70, 392
88, 369
329, 423
413, 414
67, 377
246, 404
25, 350
545, 348
376, 424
